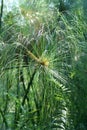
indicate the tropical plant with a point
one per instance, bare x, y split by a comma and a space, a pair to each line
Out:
41, 68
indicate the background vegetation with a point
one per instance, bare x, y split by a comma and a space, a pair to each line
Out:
43, 65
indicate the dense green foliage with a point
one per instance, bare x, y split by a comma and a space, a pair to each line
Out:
43, 65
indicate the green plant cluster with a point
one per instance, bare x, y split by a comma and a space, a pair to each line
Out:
43, 66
